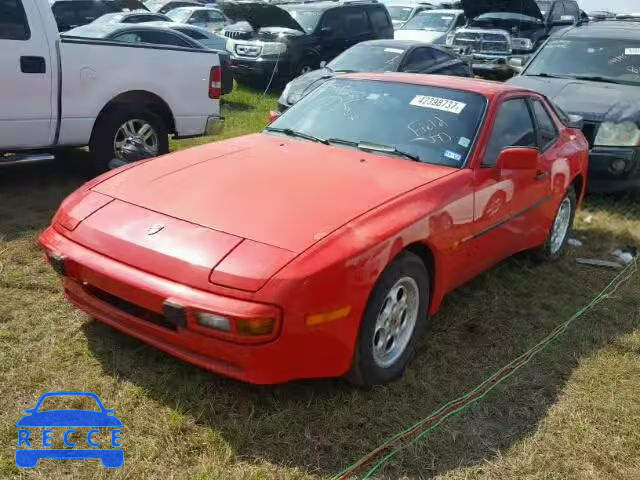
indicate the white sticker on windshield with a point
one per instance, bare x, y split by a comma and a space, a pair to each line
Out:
393, 50
464, 142
446, 18
632, 51
437, 103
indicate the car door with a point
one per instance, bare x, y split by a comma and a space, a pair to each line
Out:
333, 34
381, 22
358, 26
508, 204
26, 78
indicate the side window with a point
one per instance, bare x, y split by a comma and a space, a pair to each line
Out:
379, 19
419, 60
356, 21
198, 17
547, 132
192, 33
13, 21
334, 24
162, 38
214, 16
557, 12
129, 37
441, 57
460, 21
571, 8
512, 128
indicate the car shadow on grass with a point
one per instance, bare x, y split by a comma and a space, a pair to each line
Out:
322, 426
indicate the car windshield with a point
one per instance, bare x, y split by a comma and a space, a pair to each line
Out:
438, 22
399, 13
179, 15
504, 20
368, 58
544, 6
307, 18
431, 124
597, 59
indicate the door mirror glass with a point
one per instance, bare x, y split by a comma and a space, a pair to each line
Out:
518, 158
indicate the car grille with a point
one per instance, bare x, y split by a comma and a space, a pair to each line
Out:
132, 309
237, 35
590, 130
483, 42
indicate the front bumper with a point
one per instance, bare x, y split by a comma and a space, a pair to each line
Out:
491, 65
603, 178
260, 66
92, 281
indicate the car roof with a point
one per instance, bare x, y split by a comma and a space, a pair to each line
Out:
194, 9
486, 88
620, 29
184, 26
406, 44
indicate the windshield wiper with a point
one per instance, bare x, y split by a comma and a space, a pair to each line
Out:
293, 133
596, 78
374, 147
546, 75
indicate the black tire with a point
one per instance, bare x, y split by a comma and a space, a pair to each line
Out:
101, 144
546, 253
365, 371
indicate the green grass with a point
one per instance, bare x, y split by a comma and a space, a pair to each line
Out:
573, 413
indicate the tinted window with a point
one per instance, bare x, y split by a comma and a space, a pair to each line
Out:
368, 58
192, 33
572, 9
333, 21
379, 19
143, 19
419, 60
162, 38
547, 132
79, 12
437, 22
614, 60
512, 128
435, 123
557, 11
356, 21
13, 21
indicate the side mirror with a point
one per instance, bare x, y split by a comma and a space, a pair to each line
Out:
516, 64
326, 30
518, 158
576, 121
273, 116
565, 20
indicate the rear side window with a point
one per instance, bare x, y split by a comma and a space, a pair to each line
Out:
379, 19
162, 38
547, 132
419, 60
513, 128
13, 21
356, 21
192, 33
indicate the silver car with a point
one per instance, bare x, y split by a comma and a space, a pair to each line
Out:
208, 18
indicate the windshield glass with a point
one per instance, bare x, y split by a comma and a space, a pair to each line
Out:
612, 59
438, 22
399, 13
436, 124
503, 20
308, 19
368, 58
178, 15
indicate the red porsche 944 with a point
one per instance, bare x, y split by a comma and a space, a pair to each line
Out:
322, 246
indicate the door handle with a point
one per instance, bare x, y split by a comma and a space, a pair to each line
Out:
33, 65
541, 175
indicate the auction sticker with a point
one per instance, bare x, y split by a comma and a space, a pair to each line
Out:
438, 103
632, 51
394, 50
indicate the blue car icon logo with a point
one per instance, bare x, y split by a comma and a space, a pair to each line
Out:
65, 421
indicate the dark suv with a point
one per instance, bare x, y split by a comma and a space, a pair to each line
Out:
291, 39
501, 30
75, 13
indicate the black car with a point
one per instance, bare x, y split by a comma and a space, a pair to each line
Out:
378, 56
499, 30
593, 71
292, 39
75, 13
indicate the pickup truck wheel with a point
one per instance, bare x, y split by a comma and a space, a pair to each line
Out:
393, 322
123, 135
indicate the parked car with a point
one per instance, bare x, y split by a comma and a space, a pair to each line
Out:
209, 18
432, 26
499, 31
74, 13
598, 15
165, 6
293, 39
378, 56
587, 70
123, 102
401, 12
261, 271
131, 17
158, 33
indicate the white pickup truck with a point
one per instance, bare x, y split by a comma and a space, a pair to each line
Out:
122, 100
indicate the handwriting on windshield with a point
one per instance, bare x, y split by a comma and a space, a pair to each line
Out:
633, 69
618, 59
431, 130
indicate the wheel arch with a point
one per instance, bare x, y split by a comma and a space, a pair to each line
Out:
140, 97
578, 184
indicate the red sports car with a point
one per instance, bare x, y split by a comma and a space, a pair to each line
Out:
321, 246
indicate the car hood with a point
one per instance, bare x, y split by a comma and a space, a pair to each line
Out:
285, 193
591, 100
473, 8
259, 15
428, 36
304, 84
69, 418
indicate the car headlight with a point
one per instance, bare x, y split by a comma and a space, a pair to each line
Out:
522, 43
625, 134
229, 45
274, 48
449, 40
